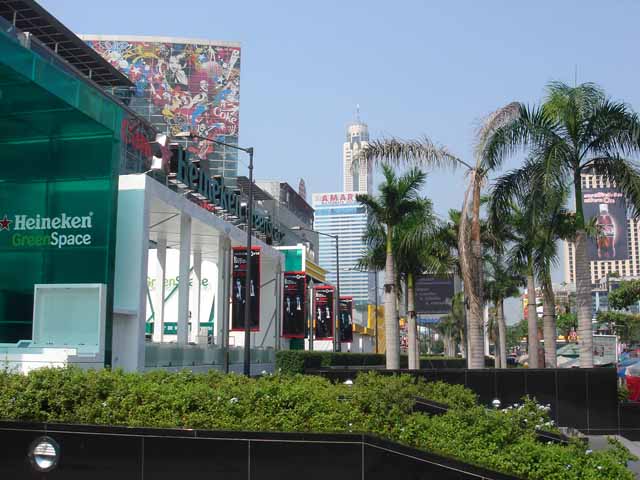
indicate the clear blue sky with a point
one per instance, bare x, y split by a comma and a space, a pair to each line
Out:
415, 67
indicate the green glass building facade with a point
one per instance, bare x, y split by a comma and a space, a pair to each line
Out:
60, 153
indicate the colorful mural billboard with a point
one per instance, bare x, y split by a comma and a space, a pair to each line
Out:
182, 87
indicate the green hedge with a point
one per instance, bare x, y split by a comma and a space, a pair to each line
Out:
503, 440
297, 361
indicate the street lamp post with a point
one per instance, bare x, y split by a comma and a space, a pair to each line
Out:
247, 289
336, 336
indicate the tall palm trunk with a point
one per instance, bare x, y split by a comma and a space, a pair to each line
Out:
549, 324
471, 266
391, 330
496, 361
583, 301
411, 316
502, 333
583, 282
464, 351
532, 320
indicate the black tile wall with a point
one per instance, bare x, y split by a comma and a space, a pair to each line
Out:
275, 460
542, 385
602, 397
630, 421
14, 448
101, 453
510, 386
572, 395
483, 383
382, 464
195, 458
97, 456
455, 376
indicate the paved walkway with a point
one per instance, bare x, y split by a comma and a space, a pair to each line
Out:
599, 442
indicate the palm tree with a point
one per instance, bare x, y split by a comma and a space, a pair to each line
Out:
545, 221
514, 220
451, 326
503, 281
425, 153
576, 130
398, 199
417, 249
555, 224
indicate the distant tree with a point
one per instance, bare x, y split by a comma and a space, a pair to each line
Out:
627, 293
566, 322
515, 333
625, 325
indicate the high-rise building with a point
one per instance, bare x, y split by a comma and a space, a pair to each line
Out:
358, 174
183, 86
342, 215
615, 248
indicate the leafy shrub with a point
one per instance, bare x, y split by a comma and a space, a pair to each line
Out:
502, 440
454, 396
297, 361
623, 393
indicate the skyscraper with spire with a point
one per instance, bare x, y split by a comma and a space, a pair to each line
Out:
357, 174
340, 213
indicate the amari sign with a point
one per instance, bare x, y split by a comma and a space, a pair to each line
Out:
60, 231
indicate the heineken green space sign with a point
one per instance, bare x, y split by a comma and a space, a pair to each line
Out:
61, 231
223, 197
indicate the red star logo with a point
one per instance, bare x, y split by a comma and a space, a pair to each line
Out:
4, 223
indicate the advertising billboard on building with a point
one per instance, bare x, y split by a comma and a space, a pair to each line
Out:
434, 294
324, 312
345, 316
239, 286
608, 207
294, 308
605, 349
183, 85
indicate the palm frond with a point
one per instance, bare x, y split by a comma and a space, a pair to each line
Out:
626, 176
612, 127
563, 101
530, 127
372, 205
492, 122
421, 152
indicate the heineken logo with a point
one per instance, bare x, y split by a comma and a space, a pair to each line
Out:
40, 231
4, 223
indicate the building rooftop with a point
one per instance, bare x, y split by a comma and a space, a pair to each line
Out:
29, 16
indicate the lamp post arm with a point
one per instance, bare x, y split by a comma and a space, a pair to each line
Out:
248, 150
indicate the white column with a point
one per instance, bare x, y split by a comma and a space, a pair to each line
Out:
223, 286
195, 317
279, 295
183, 286
222, 291
159, 293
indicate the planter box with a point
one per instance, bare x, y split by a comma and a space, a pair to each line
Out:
436, 408
584, 399
107, 453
